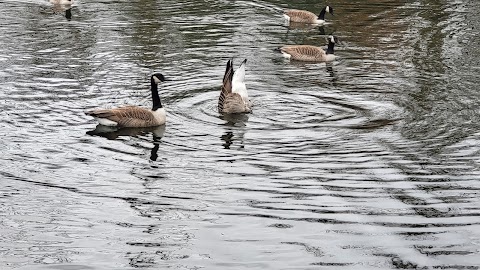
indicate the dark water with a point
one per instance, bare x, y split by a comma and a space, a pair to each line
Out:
371, 162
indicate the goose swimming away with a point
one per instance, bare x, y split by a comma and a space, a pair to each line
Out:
310, 53
134, 116
304, 16
233, 97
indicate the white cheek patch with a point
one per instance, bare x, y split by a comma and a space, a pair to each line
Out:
332, 39
157, 81
327, 9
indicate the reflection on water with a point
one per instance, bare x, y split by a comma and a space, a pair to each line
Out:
239, 119
331, 72
68, 14
367, 162
235, 130
228, 138
112, 133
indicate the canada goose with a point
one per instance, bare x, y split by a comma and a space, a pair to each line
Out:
234, 97
134, 116
310, 53
303, 16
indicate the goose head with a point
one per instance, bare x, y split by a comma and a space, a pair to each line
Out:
158, 78
332, 39
154, 81
329, 9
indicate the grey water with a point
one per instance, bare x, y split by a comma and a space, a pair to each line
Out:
369, 162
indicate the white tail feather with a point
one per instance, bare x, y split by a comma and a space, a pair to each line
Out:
106, 122
239, 74
238, 81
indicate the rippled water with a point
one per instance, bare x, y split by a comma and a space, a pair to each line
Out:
371, 162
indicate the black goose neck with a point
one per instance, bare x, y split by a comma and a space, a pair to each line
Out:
155, 98
321, 16
331, 45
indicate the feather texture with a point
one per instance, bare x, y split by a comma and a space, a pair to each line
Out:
304, 52
301, 16
226, 85
233, 96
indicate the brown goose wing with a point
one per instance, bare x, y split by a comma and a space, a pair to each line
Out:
101, 113
304, 52
302, 16
226, 85
130, 116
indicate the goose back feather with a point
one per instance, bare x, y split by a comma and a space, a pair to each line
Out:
301, 16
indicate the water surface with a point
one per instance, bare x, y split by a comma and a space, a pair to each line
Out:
370, 162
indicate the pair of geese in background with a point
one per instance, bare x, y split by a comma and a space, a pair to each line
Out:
233, 96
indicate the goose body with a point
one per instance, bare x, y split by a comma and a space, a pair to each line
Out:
233, 96
134, 116
310, 53
304, 16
